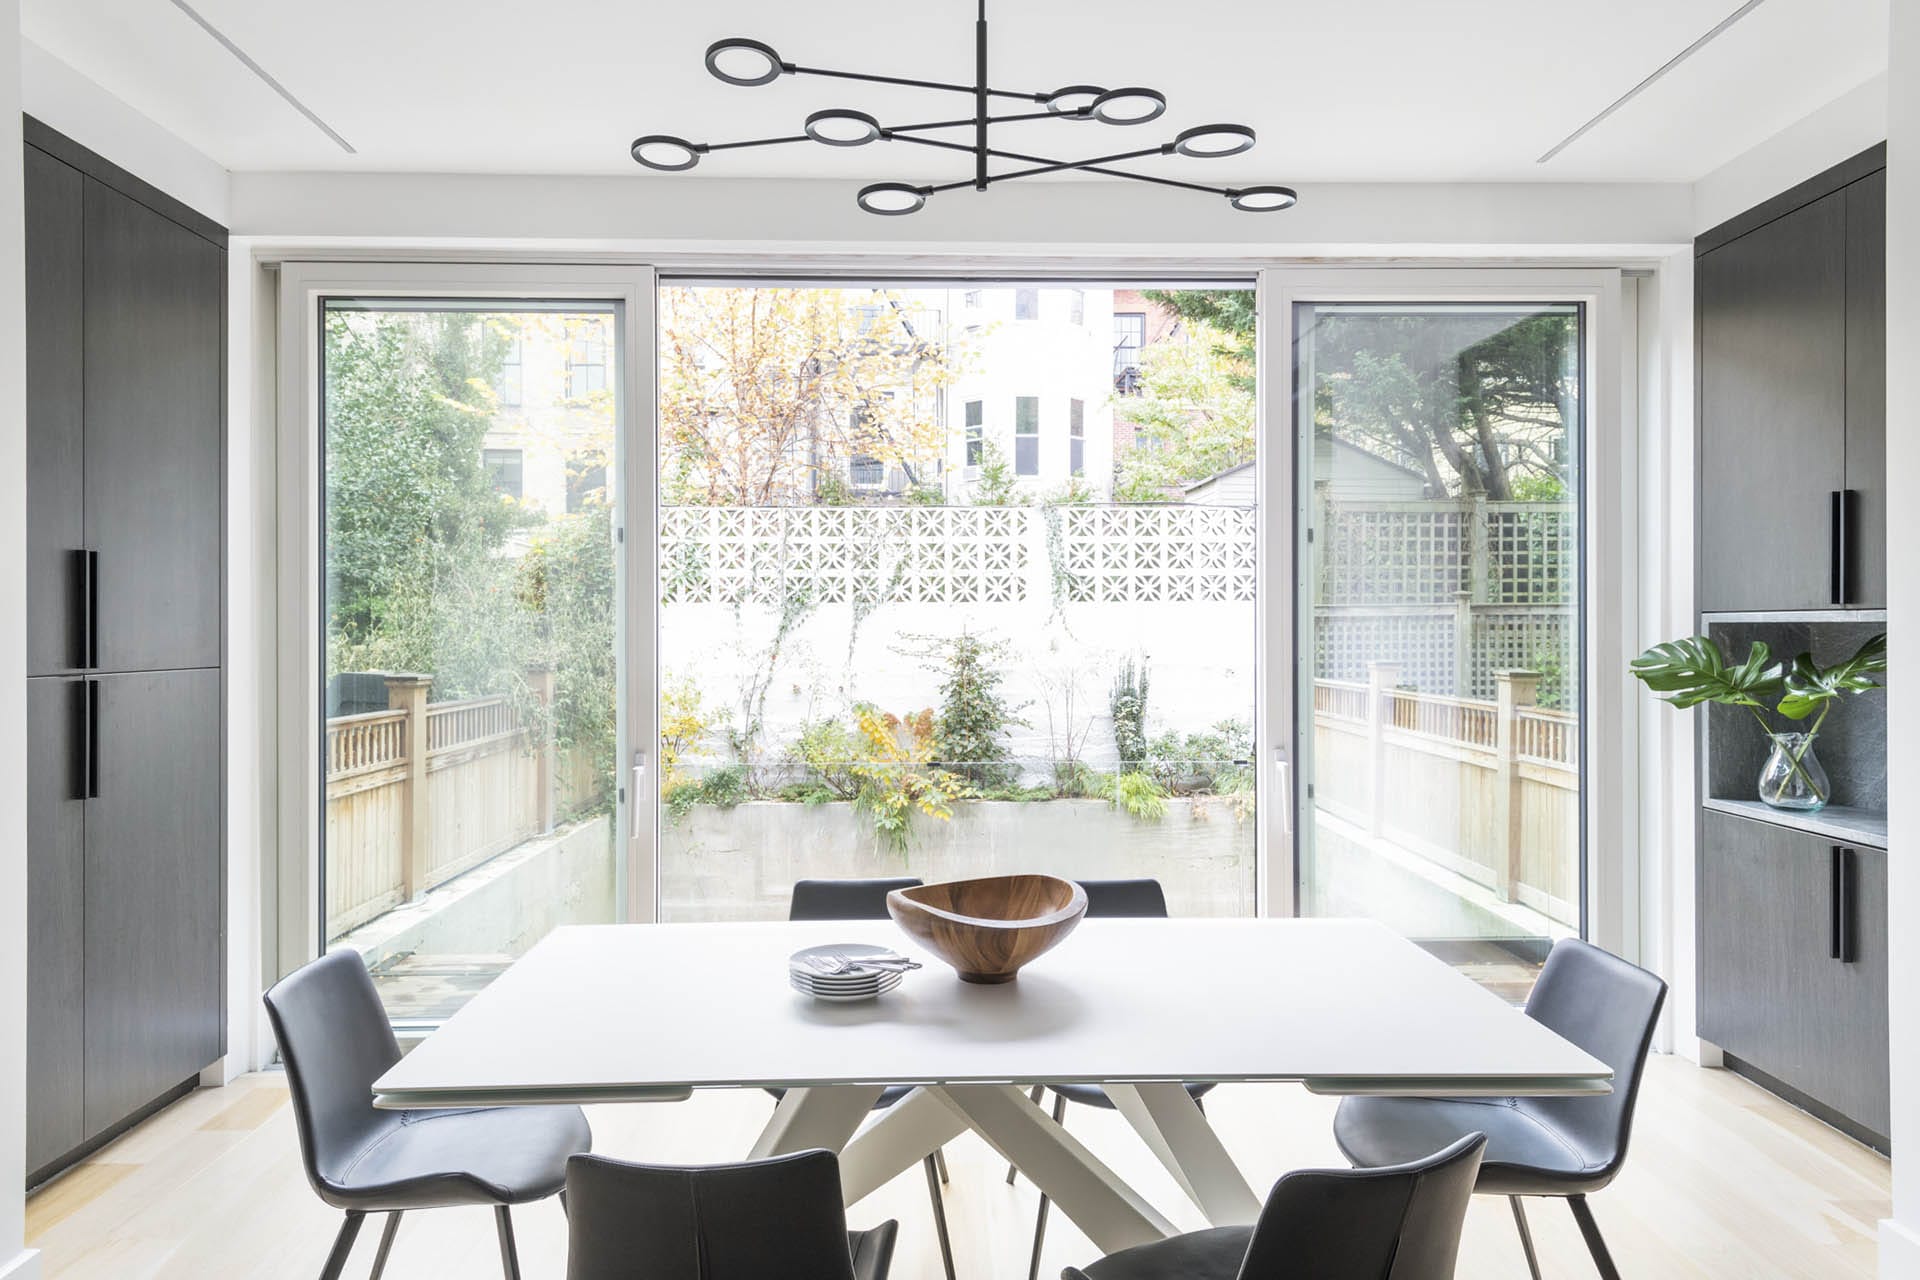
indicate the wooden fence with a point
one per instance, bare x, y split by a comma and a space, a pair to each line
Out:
1489, 790
423, 791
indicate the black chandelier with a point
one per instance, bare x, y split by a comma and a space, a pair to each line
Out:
749, 62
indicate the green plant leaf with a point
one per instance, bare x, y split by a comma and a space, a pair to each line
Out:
1808, 685
1689, 672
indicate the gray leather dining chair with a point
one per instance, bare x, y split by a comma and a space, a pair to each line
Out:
335, 1041
1398, 1223
1567, 1147
1141, 899
777, 1219
867, 900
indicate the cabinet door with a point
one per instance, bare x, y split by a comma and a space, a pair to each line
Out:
1772, 312
1866, 462
1763, 923
154, 890
153, 434
1850, 1004
55, 530
56, 918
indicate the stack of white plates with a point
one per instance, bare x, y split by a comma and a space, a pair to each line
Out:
855, 983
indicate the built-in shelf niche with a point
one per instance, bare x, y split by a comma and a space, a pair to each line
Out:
1852, 744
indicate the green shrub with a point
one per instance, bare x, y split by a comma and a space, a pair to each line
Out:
969, 730
1128, 707
827, 750
1138, 794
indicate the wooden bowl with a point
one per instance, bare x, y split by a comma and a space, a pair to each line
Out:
988, 928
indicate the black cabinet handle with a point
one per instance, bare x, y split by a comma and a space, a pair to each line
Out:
1841, 906
80, 610
1840, 543
93, 740
93, 608
82, 745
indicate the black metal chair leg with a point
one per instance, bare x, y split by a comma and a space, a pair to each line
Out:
1526, 1236
939, 1215
386, 1244
1013, 1171
509, 1256
1602, 1260
1040, 1219
342, 1246
940, 1163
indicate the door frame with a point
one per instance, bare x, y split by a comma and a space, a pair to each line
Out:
291, 920
1610, 888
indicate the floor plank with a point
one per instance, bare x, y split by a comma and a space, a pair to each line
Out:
1725, 1181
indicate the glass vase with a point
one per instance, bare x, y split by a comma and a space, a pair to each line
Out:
1792, 777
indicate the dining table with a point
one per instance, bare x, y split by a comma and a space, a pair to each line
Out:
651, 1012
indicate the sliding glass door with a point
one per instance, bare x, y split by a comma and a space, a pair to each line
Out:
1441, 495
473, 601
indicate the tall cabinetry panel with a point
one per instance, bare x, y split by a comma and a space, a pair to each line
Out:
1866, 444
125, 309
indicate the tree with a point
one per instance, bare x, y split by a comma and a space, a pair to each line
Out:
1193, 418
1477, 402
764, 393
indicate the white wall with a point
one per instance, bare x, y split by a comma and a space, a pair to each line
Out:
1844, 127
14, 1263
1900, 1234
57, 95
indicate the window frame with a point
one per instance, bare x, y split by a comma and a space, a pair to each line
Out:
1027, 435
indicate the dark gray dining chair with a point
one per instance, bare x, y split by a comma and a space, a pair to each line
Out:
1398, 1223
777, 1219
335, 1041
867, 900
1566, 1147
1141, 899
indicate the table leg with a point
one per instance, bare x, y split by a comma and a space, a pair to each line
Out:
900, 1137
819, 1116
1113, 1214
1176, 1130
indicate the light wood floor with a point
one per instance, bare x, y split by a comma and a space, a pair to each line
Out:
1724, 1182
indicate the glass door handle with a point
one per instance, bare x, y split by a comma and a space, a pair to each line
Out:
1283, 773
633, 793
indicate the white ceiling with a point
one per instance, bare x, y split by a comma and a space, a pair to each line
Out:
1338, 90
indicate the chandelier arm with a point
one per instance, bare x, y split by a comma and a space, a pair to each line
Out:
1042, 164
754, 142
792, 69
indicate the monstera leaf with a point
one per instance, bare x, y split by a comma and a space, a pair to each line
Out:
1687, 673
1808, 686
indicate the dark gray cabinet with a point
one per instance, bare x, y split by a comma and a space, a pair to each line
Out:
125, 299
1793, 962
1773, 364
1790, 304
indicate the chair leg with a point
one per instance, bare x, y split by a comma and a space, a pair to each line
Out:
386, 1244
342, 1246
509, 1256
1526, 1236
939, 1215
1602, 1260
1012, 1171
940, 1163
1040, 1219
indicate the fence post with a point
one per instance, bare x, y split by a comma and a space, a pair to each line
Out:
408, 693
1382, 679
540, 680
1513, 690
1463, 644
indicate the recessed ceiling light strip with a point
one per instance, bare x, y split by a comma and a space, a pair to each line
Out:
1648, 83
265, 78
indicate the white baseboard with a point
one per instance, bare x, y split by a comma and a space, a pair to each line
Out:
1899, 1251
23, 1266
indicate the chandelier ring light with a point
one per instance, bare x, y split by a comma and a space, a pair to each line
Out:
745, 62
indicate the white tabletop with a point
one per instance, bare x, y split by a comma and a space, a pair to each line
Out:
640, 1011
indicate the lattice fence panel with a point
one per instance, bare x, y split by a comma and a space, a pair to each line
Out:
1399, 553
1517, 638
1422, 643
1531, 554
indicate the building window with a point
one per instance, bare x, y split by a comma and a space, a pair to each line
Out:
1129, 335
509, 386
867, 472
1026, 304
586, 482
973, 299
1077, 437
1026, 435
1077, 307
503, 468
976, 433
587, 365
